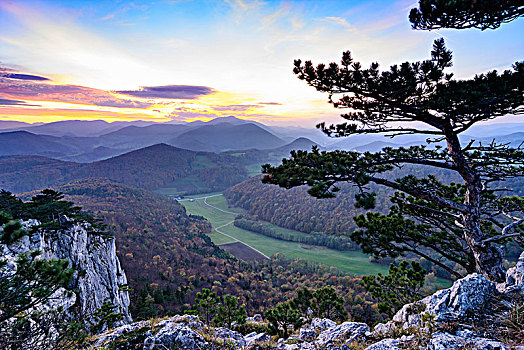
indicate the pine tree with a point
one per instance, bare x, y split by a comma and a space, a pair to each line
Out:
402, 285
229, 311
457, 223
460, 14
283, 317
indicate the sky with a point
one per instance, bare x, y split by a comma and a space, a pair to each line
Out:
183, 60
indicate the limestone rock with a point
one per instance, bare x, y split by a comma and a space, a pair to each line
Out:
346, 331
173, 335
385, 344
383, 328
514, 278
467, 297
255, 337
230, 336
321, 324
98, 277
191, 320
307, 334
446, 341
257, 318
113, 334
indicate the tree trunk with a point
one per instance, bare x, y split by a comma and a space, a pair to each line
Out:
488, 258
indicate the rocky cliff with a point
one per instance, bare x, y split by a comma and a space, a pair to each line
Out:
98, 276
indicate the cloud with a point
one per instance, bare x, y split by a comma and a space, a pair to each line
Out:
24, 77
169, 91
270, 103
27, 89
338, 20
236, 108
8, 102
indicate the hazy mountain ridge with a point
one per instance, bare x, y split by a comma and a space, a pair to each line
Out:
85, 141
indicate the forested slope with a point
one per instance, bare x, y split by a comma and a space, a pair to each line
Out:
295, 209
151, 167
168, 257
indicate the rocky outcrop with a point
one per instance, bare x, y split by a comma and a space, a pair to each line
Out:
385, 344
463, 340
321, 324
175, 335
514, 278
98, 275
464, 300
254, 338
229, 337
346, 331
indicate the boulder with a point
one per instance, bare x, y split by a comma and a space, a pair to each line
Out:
109, 336
466, 298
255, 337
191, 320
346, 331
175, 335
227, 335
383, 328
321, 324
446, 341
256, 318
385, 344
307, 334
514, 278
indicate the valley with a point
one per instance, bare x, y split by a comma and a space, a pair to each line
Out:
214, 208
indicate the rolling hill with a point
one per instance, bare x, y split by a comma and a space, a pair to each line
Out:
301, 143
151, 168
226, 136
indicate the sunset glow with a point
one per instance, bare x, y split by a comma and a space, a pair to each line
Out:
174, 61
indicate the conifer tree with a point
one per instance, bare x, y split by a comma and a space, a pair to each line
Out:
446, 223
460, 14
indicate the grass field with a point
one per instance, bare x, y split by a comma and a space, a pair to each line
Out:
353, 262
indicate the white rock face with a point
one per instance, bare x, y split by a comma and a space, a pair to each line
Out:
346, 331
445, 341
256, 318
191, 320
514, 278
175, 335
98, 277
117, 332
321, 324
253, 338
307, 334
385, 344
229, 336
468, 296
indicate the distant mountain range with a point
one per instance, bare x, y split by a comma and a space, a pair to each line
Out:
88, 141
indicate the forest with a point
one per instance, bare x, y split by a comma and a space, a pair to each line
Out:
168, 258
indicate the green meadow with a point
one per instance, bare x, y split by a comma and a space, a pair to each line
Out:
350, 261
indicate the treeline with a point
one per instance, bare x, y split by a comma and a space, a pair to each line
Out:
319, 239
